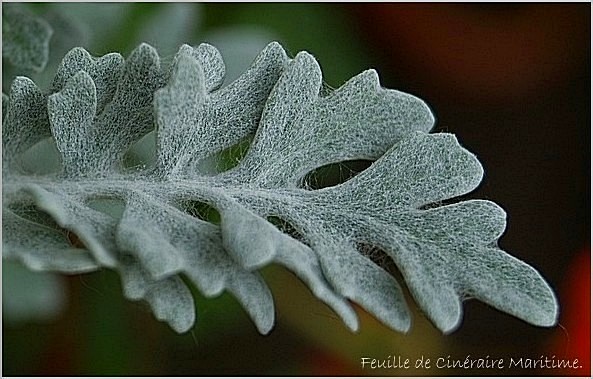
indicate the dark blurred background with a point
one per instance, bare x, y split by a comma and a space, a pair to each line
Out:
512, 81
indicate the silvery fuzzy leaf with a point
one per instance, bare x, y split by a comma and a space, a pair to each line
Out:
179, 221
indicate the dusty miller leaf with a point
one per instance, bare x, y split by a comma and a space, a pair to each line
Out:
142, 222
25, 38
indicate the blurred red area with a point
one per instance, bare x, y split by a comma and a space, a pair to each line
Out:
575, 340
324, 363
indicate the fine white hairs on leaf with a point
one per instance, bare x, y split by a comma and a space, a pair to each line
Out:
144, 224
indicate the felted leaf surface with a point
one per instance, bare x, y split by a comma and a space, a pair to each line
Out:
25, 38
143, 221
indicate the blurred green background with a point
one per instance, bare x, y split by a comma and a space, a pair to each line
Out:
512, 81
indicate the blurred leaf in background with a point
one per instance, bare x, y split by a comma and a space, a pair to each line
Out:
25, 38
29, 295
